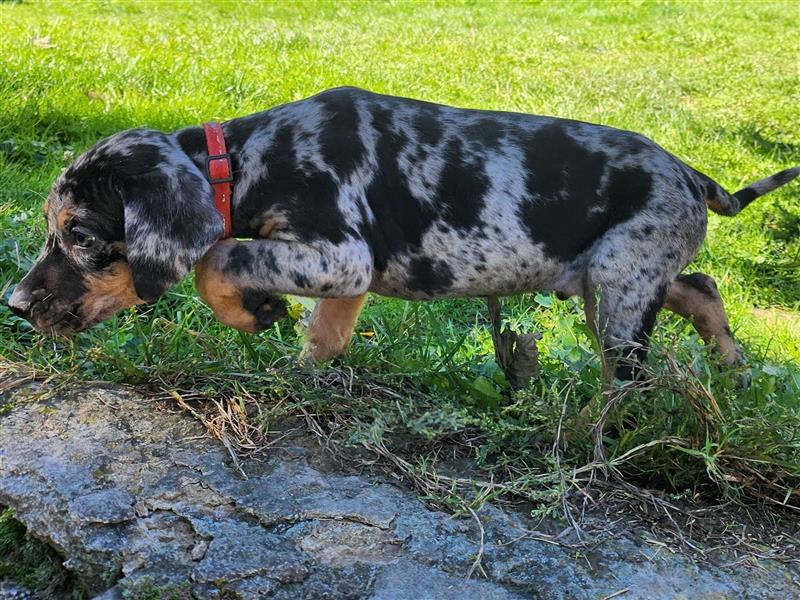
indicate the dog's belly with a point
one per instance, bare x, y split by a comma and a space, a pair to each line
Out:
449, 266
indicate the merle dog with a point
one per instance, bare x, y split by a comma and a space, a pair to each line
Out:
349, 192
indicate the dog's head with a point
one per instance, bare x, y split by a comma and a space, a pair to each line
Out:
126, 221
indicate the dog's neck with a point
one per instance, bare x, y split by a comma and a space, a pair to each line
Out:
192, 141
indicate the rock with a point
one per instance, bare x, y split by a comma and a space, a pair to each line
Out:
133, 493
9, 590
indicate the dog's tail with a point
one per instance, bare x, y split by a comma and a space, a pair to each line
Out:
723, 203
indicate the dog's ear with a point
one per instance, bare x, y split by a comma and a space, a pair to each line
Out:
170, 216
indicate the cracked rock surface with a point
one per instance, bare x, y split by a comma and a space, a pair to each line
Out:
124, 489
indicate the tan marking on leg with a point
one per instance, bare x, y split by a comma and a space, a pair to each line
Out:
224, 298
108, 292
331, 327
707, 315
46, 208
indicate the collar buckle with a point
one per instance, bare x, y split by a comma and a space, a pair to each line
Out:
219, 168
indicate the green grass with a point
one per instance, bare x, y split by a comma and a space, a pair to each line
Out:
715, 83
31, 564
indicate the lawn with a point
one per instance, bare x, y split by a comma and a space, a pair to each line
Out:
717, 84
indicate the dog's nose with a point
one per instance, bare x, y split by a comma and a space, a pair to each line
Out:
20, 302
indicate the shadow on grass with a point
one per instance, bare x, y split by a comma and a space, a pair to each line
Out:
779, 282
30, 137
765, 143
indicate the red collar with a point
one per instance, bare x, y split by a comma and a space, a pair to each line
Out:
220, 172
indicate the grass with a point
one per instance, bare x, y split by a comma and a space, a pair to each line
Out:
715, 83
31, 564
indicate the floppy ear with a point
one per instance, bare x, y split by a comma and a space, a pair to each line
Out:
170, 220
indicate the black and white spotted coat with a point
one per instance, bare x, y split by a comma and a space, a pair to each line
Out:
351, 191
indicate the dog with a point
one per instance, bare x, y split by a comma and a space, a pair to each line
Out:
349, 192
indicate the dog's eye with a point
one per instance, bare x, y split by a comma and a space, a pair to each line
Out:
83, 239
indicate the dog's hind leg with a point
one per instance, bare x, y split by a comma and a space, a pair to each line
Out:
623, 321
331, 327
621, 305
241, 279
622, 296
696, 298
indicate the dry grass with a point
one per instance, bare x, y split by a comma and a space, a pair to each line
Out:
592, 496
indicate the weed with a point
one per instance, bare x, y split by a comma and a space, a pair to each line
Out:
31, 563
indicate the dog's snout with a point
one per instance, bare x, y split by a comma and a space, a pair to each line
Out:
21, 302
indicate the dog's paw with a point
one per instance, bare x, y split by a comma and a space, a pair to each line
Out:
266, 309
320, 354
270, 311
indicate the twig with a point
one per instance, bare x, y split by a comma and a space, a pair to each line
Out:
477, 562
617, 593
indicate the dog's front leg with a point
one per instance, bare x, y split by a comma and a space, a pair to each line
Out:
241, 279
331, 327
